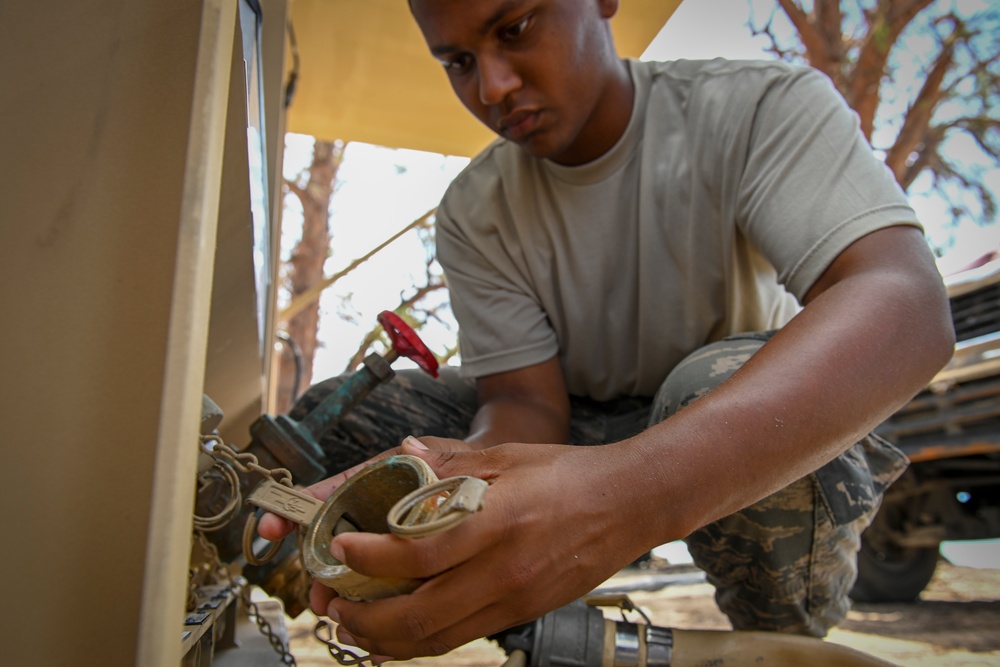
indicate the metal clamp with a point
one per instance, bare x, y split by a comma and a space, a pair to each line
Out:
436, 507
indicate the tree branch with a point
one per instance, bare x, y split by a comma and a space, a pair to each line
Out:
295, 189
917, 120
311, 294
885, 23
817, 52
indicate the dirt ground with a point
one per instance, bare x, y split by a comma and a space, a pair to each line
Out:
956, 623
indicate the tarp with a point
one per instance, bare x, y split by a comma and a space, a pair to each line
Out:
365, 74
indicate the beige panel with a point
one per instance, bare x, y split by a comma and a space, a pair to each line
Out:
102, 334
90, 207
236, 375
164, 586
274, 45
366, 74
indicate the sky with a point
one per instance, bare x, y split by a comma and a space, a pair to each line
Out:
382, 190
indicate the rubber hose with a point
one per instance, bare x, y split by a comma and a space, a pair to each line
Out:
696, 648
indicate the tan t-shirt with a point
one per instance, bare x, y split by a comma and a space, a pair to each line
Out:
733, 182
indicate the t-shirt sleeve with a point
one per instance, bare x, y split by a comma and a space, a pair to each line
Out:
811, 184
503, 326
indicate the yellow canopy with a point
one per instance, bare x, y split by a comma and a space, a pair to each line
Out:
365, 74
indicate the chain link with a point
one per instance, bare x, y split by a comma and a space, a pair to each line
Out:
218, 568
338, 652
194, 583
232, 508
264, 626
205, 573
245, 462
228, 460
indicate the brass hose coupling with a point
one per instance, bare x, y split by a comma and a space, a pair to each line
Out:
399, 495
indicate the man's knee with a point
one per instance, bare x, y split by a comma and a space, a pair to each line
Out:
702, 371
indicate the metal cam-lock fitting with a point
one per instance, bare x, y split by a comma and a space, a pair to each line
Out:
399, 494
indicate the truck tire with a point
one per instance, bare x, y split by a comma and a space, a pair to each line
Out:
890, 573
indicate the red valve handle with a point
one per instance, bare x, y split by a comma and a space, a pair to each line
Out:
407, 343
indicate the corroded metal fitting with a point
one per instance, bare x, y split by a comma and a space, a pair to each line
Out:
362, 503
399, 494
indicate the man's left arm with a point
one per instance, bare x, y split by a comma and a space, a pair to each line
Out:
559, 520
875, 329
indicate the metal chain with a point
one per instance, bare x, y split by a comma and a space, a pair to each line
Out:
265, 629
206, 572
219, 568
339, 653
194, 583
232, 508
245, 462
223, 572
227, 458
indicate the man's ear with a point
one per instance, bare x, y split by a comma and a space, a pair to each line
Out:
608, 8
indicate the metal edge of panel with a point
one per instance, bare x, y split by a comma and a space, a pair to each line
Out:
274, 42
168, 539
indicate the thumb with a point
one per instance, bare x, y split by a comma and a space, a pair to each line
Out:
435, 458
445, 456
435, 444
413, 446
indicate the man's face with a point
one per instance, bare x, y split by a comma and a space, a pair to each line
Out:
533, 71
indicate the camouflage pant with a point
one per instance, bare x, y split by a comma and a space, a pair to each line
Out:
786, 563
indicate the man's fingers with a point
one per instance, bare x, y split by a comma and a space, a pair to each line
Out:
386, 555
462, 632
408, 618
446, 601
451, 458
273, 527
320, 597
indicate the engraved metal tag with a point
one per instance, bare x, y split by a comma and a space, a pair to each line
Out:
285, 502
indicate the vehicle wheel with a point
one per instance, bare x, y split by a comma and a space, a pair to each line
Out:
888, 572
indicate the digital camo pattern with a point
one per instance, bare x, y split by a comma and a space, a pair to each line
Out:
786, 563
781, 564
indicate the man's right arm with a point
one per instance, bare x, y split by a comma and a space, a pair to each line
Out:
525, 405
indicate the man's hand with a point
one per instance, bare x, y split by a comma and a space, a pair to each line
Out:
273, 527
559, 520
526, 405
548, 533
